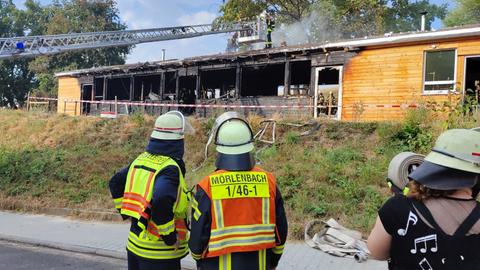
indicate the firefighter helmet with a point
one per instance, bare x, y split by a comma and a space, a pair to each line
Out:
453, 163
171, 126
234, 140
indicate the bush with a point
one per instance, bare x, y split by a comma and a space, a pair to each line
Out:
414, 134
292, 138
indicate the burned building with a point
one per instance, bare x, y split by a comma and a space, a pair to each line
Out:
363, 79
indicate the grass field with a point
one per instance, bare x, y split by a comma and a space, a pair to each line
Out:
338, 170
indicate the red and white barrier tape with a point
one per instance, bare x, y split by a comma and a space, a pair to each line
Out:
43, 98
227, 106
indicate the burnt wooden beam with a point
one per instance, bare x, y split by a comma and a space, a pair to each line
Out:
288, 78
177, 85
238, 81
162, 84
105, 86
132, 88
313, 75
198, 83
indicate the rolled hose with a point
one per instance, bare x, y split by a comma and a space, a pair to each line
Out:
401, 166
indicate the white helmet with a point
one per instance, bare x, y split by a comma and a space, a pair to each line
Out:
234, 140
170, 126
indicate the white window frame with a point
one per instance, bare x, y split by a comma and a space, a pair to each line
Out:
425, 83
340, 90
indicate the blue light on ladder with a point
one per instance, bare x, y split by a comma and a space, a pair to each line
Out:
20, 46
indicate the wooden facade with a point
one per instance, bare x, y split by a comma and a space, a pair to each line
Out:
395, 76
68, 88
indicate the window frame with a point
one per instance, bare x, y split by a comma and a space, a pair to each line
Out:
454, 81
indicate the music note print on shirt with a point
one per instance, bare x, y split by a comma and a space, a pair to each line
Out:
425, 242
412, 218
425, 265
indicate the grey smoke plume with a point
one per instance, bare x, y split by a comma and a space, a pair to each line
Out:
314, 28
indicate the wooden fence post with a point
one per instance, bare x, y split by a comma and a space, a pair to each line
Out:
28, 101
330, 103
116, 107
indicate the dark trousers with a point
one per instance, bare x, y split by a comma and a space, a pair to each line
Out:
239, 261
137, 263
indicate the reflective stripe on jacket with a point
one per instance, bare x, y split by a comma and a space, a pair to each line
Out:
243, 211
136, 204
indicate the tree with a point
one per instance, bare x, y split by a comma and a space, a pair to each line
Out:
465, 12
20, 76
405, 16
289, 10
359, 18
322, 20
15, 77
74, 16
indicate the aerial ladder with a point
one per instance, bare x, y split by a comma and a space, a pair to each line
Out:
31, 46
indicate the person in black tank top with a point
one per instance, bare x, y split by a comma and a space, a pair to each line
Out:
407, 234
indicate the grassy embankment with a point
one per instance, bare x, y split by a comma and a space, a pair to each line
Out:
338, 171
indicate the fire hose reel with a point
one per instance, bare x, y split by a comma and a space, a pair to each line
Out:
400, 167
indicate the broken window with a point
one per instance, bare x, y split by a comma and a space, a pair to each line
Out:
262, 80
217, 83
439, 75
118, 87
87, 94
146, 85
300, 78
98, 87
186, 94
170, 86
472, 77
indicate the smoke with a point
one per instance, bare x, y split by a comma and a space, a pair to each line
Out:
316, 27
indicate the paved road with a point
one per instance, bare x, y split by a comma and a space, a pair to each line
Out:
108, 239
24, 257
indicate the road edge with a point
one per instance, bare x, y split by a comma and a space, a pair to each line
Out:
187, 264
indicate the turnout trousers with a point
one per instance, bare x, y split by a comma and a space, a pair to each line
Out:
138, 263
254, 260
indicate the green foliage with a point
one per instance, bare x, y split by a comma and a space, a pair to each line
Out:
465, 12
334, 19
241, 9
292, 138
268, 152
25, 169
138, 117
403, 15
21, 76
343, 155
463, 115
414, 134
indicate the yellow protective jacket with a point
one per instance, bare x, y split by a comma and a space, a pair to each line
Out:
136, 203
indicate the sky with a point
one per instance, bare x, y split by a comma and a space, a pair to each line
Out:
138, 14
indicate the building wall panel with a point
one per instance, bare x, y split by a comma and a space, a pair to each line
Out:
68, 88
394, 76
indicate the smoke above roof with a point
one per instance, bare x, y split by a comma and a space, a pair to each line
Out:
313, 28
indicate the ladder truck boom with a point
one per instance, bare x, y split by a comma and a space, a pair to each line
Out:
30, 46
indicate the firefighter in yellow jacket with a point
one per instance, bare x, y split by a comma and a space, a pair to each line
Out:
238, 218
151, 191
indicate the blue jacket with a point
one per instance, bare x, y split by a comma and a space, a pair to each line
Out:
165, 187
